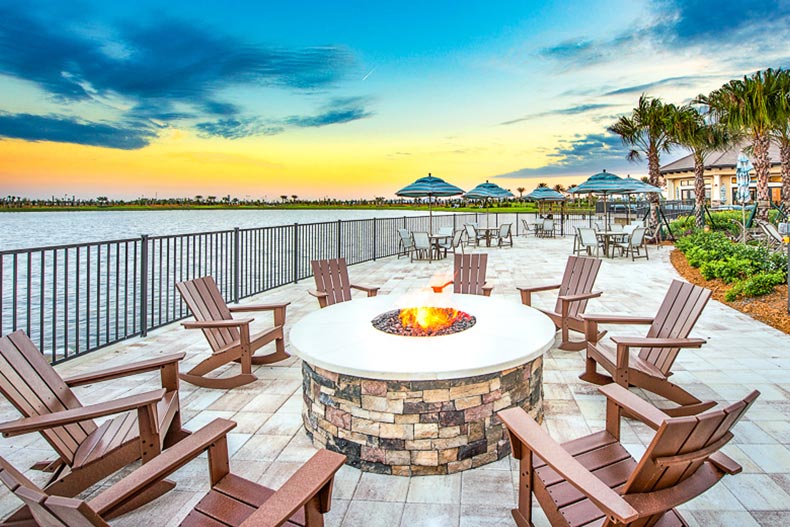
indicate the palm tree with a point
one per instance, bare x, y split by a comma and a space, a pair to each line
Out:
542, 185
647, 132
520, 191
781, 129
559, 187
693, 131
748, 107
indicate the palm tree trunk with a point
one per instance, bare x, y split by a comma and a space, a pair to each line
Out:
762, 165
654, 176
784, 154
699, 190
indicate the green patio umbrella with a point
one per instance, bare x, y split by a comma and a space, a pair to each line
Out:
486, 191
542, 194
429, 187
604, 183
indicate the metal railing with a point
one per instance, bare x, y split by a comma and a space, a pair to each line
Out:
76, 298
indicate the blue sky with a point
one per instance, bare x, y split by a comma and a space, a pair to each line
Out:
349, 98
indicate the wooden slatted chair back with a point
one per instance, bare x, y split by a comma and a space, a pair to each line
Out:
680, 310
331, 277
48, 511
33, 386
680, 448
578, 278
469, 275
203, 298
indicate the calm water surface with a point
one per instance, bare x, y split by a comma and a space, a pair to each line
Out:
35, 229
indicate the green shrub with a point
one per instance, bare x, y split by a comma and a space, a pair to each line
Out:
758, 285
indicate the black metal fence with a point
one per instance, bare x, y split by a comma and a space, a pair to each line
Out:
73, 299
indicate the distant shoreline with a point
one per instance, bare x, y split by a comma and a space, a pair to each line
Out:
527, 207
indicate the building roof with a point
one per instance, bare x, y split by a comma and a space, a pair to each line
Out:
718, 159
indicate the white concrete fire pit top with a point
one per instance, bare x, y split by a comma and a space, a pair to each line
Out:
341, 339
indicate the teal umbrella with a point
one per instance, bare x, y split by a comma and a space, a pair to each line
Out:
429, 187
486, 191
542, 194
603, 183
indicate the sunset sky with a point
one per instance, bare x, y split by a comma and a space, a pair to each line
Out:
348, 99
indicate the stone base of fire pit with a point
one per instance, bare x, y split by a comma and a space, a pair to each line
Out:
419, 427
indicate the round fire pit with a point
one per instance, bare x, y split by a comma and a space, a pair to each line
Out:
407, 405
425, 321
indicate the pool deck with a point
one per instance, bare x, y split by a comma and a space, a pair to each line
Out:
269, 443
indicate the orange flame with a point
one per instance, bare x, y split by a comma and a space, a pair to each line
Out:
428, 319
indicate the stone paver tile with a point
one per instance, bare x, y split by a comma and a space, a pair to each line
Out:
430, 515
363, 513
722, 519
299, 449
232, 401
380, 487
717, 498
262, 448
479, 515
487, 487
771, 458
265, 402
169, 511
278, 473
772, 518
346, 480
281, 423
739, 456
250, 422
778, 430
205, 417
435, 489
758, 491
335, 515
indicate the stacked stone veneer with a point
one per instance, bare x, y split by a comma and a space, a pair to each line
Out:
410, 428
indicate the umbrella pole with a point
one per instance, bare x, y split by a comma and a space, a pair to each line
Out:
430, 215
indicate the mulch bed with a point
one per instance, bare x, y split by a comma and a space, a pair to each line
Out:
770, 309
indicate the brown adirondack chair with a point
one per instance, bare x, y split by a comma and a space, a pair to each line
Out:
593, 480
229, 338
87, 452
574, 292
332, 284
650, 369
469, 275
232, 500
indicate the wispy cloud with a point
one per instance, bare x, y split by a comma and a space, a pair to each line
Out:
573, 110
58, 128
338, 111
166, 71
584, 154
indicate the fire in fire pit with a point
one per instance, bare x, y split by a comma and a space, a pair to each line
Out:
423, 321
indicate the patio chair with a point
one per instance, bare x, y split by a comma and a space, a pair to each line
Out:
633, 244
405, 243
229, 338
575, 290
650, 368
332, 284
453, 244
586, 240
505, 236
473, 237
771, 235
547, 229
422, 246
445, 231
469, 275
231, 501
594, 480
89, 452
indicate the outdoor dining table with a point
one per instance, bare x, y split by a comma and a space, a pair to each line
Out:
435, 240
488, 233
609, 238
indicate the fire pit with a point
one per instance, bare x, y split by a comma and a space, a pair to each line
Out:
425, 321
424, 401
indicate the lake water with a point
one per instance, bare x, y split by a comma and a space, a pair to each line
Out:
35, 229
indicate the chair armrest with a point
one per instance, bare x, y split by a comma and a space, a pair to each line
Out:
617, 319
217, 324
317, 294
371, 291
312, 480
84, 413
440, 288
258, 307
649, 342
161, 466
535, 439
124, 370
634, 405
487, 289
535, 289
583, 296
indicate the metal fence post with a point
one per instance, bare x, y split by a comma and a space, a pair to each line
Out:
296, 252
236, 265
374, 239
562, 222
143, 285
339, 232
